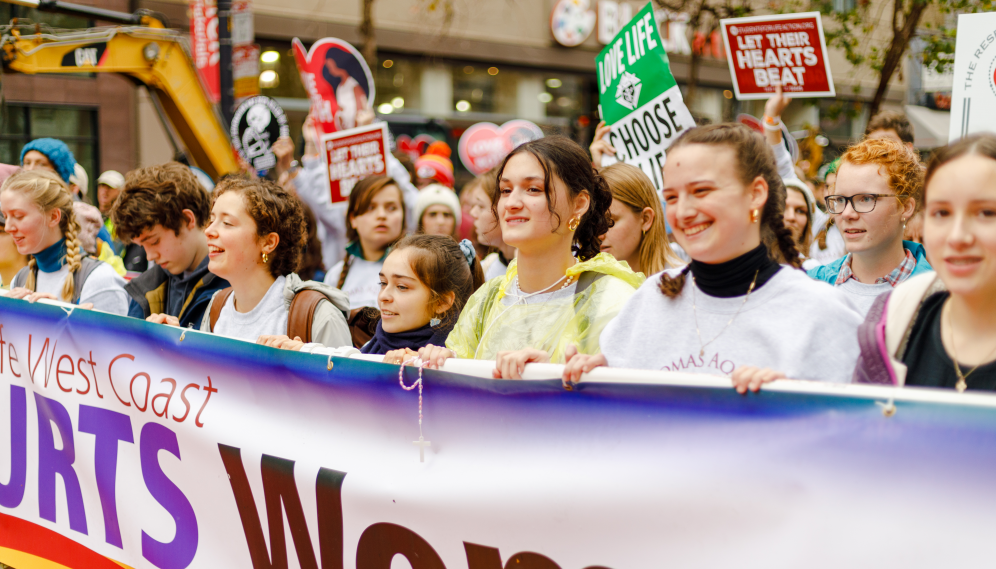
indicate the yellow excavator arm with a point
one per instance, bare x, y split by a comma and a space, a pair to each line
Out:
150, 55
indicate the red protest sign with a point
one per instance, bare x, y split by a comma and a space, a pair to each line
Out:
484, 145
204, 46
352, 155
764, 51
337, 80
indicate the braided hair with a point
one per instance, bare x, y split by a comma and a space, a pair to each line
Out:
754, 158
49, 192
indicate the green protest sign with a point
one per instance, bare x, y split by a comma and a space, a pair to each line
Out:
639, 97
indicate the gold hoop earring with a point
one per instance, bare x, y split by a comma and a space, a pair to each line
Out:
755, 216
574, 223
265, 259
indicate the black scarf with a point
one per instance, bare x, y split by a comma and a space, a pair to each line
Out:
733, 278
384, 342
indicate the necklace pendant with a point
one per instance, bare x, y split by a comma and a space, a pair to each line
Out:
961, 386
701, 352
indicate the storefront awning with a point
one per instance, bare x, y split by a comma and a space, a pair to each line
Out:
931, 127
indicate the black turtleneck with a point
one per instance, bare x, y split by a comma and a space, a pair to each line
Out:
733, 278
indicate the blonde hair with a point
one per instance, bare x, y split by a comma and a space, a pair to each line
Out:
632, 187
49, 192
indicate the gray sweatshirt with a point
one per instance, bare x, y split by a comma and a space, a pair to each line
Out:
792, 324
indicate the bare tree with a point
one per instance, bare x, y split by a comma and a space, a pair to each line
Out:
703, 15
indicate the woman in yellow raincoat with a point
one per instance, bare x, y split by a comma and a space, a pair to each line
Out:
559, 292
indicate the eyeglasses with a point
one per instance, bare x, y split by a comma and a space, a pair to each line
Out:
860, 203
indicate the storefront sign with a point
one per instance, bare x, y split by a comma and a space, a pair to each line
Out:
789, 49
973, 100
639, 97
354, 154
572, 21
257, 124
484, 145
204, 44
337, 80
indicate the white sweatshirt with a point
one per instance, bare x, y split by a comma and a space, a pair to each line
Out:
103, 287
792, 324
362, 283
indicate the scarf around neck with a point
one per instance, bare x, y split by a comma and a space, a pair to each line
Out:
384, 342
50, 260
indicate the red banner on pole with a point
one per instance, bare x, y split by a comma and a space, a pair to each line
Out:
765, 51
204, 45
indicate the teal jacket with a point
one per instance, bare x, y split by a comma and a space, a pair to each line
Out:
828, 273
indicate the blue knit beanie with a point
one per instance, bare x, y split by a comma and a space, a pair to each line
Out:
57, 153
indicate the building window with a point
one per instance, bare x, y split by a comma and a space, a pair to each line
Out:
75, 126
56, 21
843, 5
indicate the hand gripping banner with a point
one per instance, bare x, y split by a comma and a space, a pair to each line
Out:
124, 443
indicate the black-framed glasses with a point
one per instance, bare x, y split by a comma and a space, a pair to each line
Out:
860, 203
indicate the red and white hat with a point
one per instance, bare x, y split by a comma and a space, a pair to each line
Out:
435, 164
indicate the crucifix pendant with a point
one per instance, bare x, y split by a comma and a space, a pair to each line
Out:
421, 443
961, 385
701, 352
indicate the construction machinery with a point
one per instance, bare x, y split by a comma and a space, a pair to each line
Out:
139, 47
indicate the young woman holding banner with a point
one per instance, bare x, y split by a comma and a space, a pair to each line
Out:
553, 208
38, 208
734, 310
936, 329
424, 284
255, 238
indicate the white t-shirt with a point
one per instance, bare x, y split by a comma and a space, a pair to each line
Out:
493, 267
362, 283
103, 287
269, 317
793, 324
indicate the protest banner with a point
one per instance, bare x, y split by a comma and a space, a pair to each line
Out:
973, 98
129, 443
351, 155
484, 145
789, 49
257, 124
204, 45
639, 97
337, 80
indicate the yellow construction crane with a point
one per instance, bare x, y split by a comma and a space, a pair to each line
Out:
141, 49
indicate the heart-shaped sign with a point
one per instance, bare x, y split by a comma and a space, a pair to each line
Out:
414, 147
337, 80
484, 145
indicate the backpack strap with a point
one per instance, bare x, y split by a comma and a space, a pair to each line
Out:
302, 314
21, 278
87, 265
217, 303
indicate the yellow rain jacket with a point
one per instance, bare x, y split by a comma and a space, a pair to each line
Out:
488, 326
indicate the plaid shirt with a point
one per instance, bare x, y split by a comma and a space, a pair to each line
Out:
898, 275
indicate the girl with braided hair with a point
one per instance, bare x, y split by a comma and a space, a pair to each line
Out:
741, 307
38, 208
560, 290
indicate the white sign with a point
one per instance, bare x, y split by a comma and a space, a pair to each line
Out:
973, 100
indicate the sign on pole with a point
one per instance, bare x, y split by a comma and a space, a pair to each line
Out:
973, 100
204, 45
484, 145
787, 49
639, 97
354, 154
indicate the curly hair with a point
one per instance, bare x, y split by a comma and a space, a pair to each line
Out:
274, 210
900, 165
157, 195
49, 192
754, 158
562, 157
894, 121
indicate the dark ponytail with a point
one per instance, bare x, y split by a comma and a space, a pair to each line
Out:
562, 157
441, 265
754, 158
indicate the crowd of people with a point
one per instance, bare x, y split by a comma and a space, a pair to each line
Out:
883, 271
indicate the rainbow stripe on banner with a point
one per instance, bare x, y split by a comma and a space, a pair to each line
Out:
127, 444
